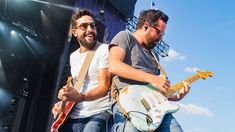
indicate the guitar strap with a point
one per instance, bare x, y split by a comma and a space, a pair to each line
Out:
115, 95
159, 66
81, 76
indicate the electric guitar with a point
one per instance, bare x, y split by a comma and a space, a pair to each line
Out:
65, 110
146, 106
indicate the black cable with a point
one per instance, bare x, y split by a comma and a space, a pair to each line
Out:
124, 125
141, 113
128, 119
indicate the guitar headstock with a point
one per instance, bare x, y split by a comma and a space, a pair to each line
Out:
204, 74
69, 80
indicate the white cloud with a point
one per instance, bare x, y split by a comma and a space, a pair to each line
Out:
195, 110
191, 69
174, 55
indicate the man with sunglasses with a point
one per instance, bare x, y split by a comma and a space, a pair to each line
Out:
92, 101
132, 63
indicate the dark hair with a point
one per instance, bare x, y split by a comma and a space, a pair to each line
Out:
151, 16
79, 14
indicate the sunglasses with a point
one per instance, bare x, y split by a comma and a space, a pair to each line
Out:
158, 31
84, 26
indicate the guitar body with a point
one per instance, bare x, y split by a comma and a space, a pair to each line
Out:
62, 117
145, 106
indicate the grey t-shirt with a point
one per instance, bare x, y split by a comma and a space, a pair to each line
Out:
136, 56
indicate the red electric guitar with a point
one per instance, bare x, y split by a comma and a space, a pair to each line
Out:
65, 110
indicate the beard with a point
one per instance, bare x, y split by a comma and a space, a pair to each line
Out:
151, 45
85, 43
151, 42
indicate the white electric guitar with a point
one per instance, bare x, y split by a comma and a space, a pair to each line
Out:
147, 107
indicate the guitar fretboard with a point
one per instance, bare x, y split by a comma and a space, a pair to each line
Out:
178, 86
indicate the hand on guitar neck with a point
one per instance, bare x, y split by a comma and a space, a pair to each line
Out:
60, 106
184, 90
71, 95
66, 94
164, 86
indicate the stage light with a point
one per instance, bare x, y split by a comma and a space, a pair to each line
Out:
43, 16
25, 79
13, 33
14, 101
25, 27
46, 23
28, 45
54, 4
1, 26
102, 13
14, 37
4, 29
36, 46
12, 54
5, 98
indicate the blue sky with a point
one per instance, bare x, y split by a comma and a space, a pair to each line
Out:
201, 35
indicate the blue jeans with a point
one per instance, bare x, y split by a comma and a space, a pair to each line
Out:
95, 123
169, 123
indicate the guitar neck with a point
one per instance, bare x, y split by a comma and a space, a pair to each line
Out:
67, 88
178, 86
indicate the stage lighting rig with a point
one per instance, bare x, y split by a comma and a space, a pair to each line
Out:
26, 28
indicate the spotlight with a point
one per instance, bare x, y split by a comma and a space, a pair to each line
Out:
5, 97
43, 14
1, 26
25, 79
13, 33
6, 128
101, 12
14, 100
12, 54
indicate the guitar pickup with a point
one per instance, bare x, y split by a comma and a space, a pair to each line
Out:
145, 104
